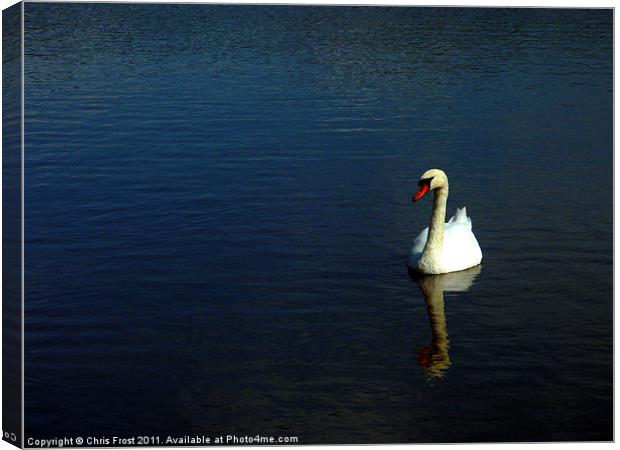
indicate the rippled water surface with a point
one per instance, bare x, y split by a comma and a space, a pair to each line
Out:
218, 216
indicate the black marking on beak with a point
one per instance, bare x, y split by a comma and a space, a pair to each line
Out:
426, 181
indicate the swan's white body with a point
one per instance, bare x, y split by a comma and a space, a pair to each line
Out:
443, 247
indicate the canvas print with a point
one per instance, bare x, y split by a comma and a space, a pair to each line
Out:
284, 224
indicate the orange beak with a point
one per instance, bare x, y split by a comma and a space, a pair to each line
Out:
421, 192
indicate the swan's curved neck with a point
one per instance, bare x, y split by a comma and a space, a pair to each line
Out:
434, 242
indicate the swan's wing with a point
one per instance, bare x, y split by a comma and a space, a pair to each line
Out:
418, 248
461, 248
461, 217
420, 242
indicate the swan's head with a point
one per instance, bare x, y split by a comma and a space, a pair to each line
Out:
430, 180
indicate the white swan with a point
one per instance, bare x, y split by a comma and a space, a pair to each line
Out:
443, 248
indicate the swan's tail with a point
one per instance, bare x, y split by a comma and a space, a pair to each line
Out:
461, 217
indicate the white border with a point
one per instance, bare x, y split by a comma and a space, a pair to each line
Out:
456, 3
433, 3
23, 137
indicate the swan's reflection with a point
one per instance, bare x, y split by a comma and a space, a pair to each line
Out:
435, 358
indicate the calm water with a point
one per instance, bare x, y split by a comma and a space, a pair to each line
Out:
218, 216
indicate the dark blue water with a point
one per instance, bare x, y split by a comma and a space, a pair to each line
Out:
218, 216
